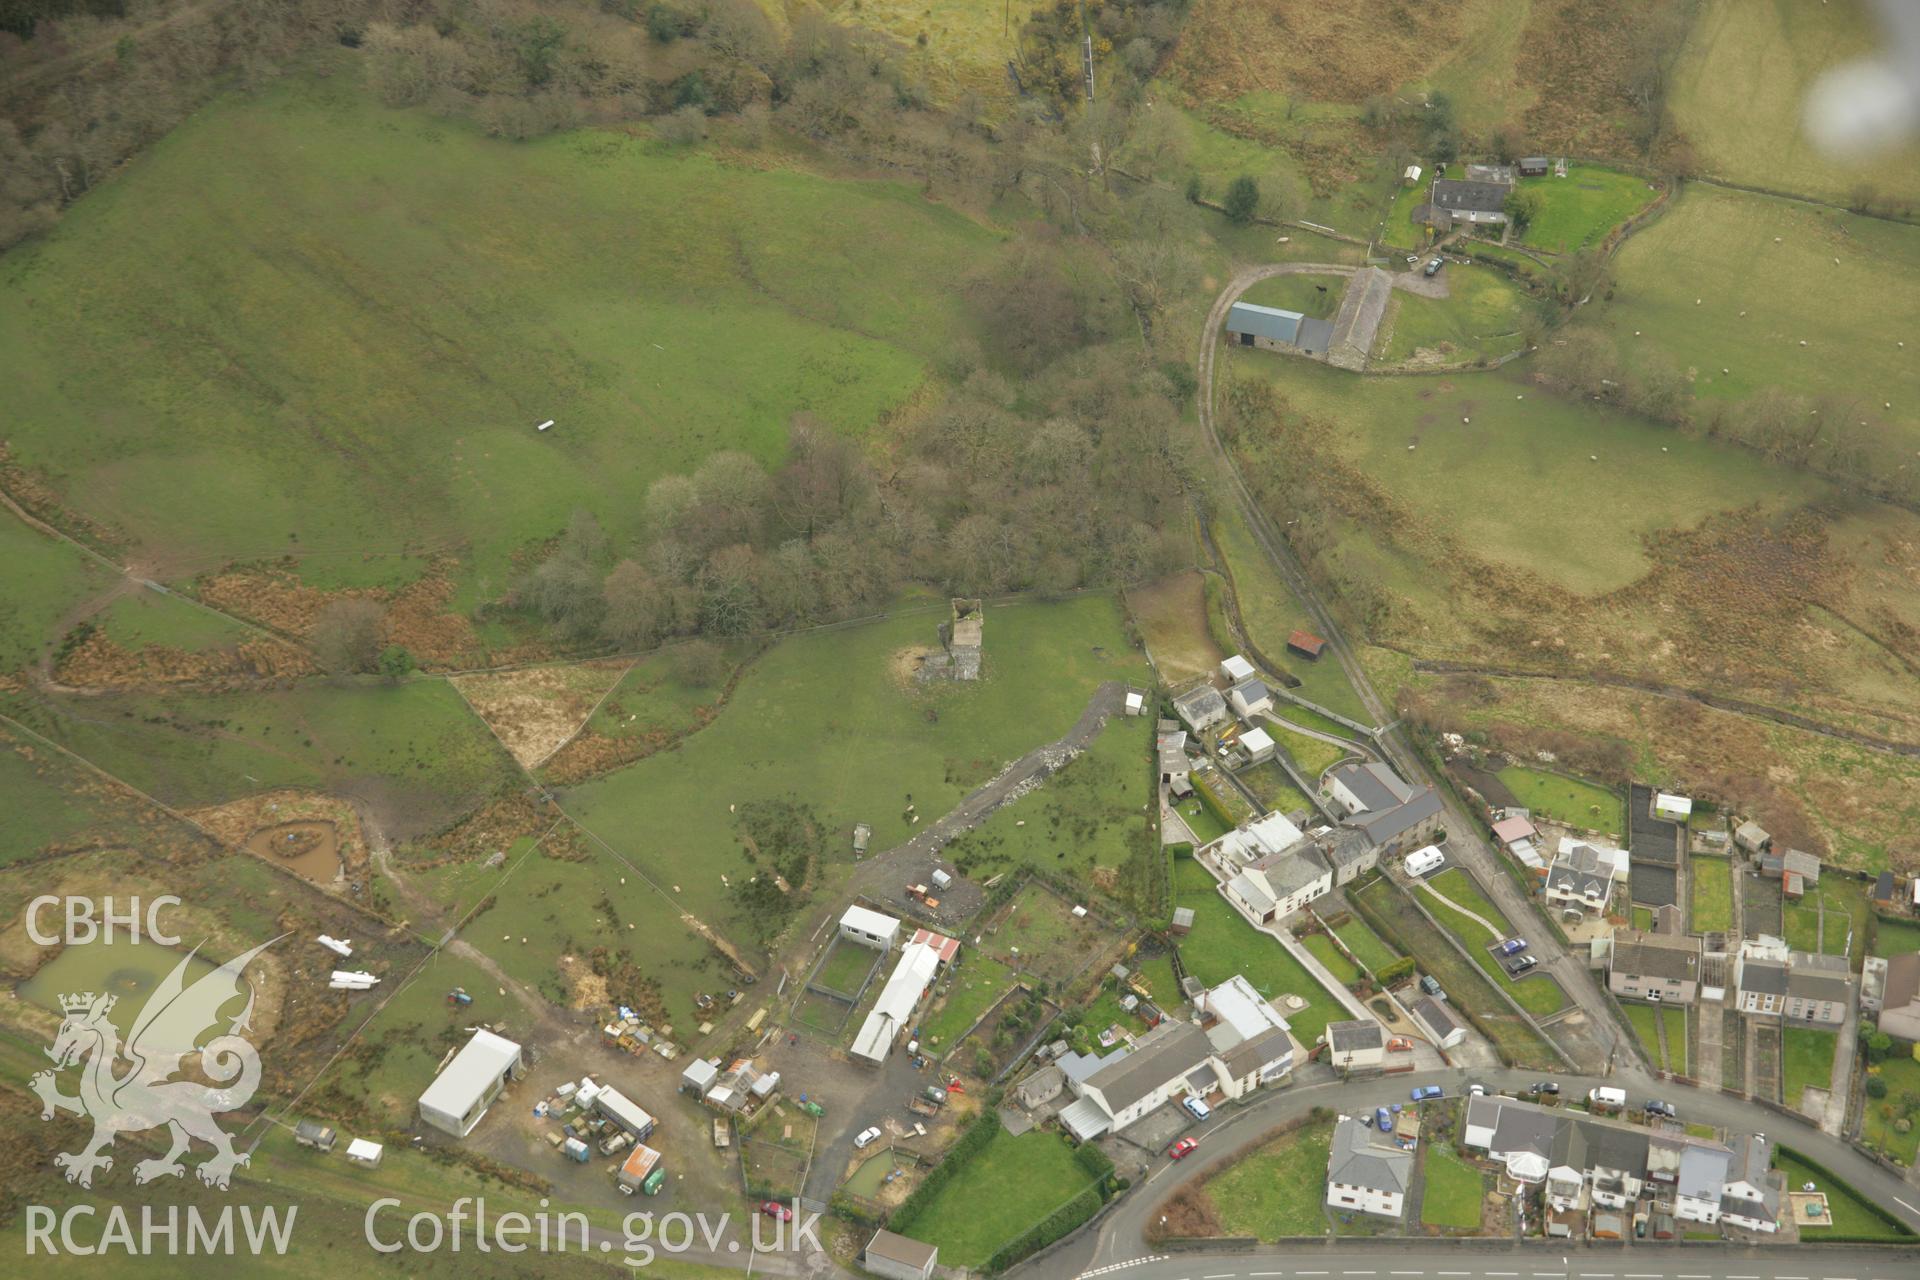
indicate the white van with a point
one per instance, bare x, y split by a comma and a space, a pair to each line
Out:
1422, 861
1614, 1098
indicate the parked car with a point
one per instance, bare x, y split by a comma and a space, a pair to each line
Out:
1422, 1092
1431, 985
1183, 1148
777, 1211
1199, 1108
1655, 1107
1513, 946
1476, 1091
1523, 964
1382, 1118
1399, 1044
1433, 266
1545, 1086
865, 1138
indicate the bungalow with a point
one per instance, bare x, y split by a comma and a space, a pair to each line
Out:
1272, 329
1250, 698
1453, 202
1367, 1171
1578, 879
1653, 967
1200, 708
1306, 644
1357, 1044
1129, 1085
1900, 997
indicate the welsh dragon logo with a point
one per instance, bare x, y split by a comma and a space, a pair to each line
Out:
145, 1095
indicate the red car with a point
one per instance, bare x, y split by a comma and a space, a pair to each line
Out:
1182, 1148
1399, 1044
777, 1211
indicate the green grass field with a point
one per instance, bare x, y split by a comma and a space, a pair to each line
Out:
1538, 995
1001, 1192
1580, 209
1454, 1191
1480, 317
1843, 903
415, 748
355, 316
1647, 477
1678, 1058
1757, 300
1309, 295
1223, 944
822, 718
1902, 1075
1851, 1214
1562, 799
1270, 782
46, 579
149, 618
1712, 892
1271, 613
1277, 1189
847, 966
1200, 820
1806, 1061
1312, 755
1090, 814
1740, 86
1365, 944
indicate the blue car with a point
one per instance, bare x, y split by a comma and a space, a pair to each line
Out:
1425, 1091
1381, 1118
1513, 946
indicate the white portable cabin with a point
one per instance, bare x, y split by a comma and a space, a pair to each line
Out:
362, 1152
869, 928
460, 1095
623, 1111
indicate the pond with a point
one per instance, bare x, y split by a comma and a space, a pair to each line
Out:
872, 1175
129, 970
310, 850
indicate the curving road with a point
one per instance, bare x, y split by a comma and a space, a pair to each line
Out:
1120, 1242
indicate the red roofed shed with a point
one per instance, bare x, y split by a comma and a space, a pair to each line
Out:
1306, 644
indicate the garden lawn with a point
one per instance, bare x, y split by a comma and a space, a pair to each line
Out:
1312, 755
1539, 994
1645, 1021
1454, 1191
1270, 782
1806, 1061
1223, 944
978, 982
1676, 1023
1329, 955
1578, 211
1001, 1192
1200, 820
1278, 1189
1852, 1214
1467, 987
1902, 1075
847, 966
354, 316
1712, 893
1366, 944
1104, 1012
823, 719
1843, 903
1893, 937
1480, 317
1562, 799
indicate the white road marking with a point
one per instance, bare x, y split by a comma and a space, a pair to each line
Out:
1225, 1275
1266, 1273
1605, 1275
1904, 1205
1743, 1278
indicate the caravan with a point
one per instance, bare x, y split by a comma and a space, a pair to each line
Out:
1422, 861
